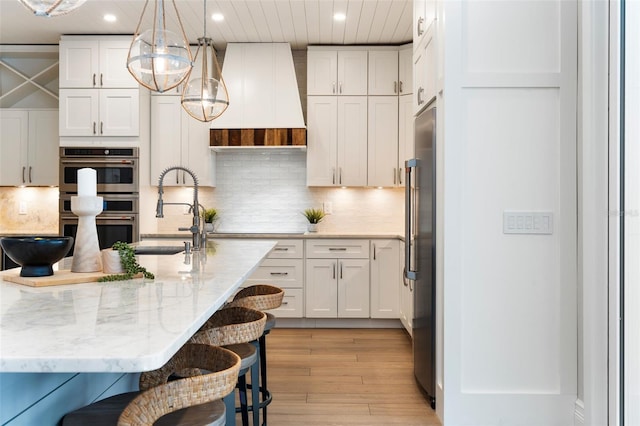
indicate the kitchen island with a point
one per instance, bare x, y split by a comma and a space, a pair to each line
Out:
110, 329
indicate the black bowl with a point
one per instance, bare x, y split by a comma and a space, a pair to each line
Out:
36, 255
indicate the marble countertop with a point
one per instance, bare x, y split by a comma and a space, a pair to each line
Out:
283, 235
121, 326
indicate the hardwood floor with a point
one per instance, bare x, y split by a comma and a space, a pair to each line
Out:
344, 377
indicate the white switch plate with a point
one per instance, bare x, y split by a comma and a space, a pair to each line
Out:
22, 207
527, 223
327, 207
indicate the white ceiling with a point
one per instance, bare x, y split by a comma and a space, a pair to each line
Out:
300, 22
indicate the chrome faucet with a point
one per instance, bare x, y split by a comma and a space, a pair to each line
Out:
197, 233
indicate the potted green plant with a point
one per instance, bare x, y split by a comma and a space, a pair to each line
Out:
314, 216
209, 216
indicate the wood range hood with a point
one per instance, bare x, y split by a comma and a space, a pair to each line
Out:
264, 101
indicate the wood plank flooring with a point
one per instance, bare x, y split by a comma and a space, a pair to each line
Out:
334, 377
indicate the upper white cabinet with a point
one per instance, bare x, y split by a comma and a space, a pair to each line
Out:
28, 147
385, 278
336, 141
336, 72
405, 70
99, 112
95, 62
383, 72
424, 66
424, 14
177, 139
382, 152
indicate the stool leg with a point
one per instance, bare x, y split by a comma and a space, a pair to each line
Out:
255, 388
230, 406
263, 375
242, 385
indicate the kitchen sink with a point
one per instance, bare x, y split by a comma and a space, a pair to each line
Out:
158, 249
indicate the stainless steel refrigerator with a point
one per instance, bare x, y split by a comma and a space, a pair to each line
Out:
420, 249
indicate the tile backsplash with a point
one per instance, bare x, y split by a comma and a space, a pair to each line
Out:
39, 210
260, 190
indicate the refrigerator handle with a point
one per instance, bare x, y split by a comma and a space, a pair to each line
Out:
409, 274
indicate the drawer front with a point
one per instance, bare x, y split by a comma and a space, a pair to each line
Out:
284, 273
292, 305
287, 249
342, 249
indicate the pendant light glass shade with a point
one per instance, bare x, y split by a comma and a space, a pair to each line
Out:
50, 8
205, 95
159, 59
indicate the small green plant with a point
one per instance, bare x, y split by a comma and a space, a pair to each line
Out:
209, 215
313, 215
129, 264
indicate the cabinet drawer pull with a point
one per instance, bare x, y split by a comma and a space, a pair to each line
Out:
285, 303
23, 169
340, 87
394, 175
94, 79
337, 249
30, 174
281, 249
340, 175
334, 271
420, 92
279, 274
400, 84
94, 127
374, 252
400, 175
333, 88
101, 83
101, 127
395, 87
340, 270
420, 29
333, 172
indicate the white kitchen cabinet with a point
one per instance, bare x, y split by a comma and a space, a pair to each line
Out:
424, 66
405, 134
424, 15
284, 268
95, 62
385, 278
99, 112
382, 152
337, 279
28, 147
406, 296
177, 139
405, 70
336, 72
383, 72
336, 140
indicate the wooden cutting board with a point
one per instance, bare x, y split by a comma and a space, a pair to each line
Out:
61, 277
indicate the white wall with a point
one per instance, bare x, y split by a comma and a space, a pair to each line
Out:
510, 348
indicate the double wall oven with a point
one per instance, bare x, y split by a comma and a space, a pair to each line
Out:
117, 184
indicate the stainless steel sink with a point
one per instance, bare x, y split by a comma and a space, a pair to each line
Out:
158, 250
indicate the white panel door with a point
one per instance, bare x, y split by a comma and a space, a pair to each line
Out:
405, 134
322, 69
322, 131
382, 150
79, 113
79, 64
405, 71
14, 137
119, 112
385, 278
352, 141
321, 288
166, 139
352, 72
197, 155
43, 148
113, 65
353, 288
383, 72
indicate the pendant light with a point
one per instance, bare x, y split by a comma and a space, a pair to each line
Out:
50, 8
159, 58
205, 95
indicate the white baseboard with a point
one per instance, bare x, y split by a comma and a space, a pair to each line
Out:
337, 323
578, 413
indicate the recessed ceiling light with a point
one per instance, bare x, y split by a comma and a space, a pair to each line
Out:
217, 17
109, 18
339, 16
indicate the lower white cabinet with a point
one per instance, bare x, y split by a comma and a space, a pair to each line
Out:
337, 279
385, 271
284, 268
28, 147
406, 297
177, 139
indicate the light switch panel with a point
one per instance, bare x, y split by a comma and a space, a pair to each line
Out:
527, 223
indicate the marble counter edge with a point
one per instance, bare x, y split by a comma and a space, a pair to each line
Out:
282, 236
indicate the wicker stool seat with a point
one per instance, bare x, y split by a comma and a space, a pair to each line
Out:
191, 401
233, 328
261, 297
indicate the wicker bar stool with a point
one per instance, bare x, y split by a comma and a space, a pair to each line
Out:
233, 328
191, 401
261, 297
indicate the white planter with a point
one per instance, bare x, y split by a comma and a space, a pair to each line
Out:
313, 227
